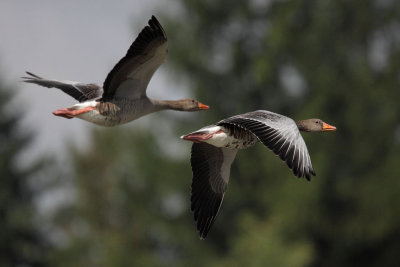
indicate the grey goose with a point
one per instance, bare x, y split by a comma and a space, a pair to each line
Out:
215, 146
123, 96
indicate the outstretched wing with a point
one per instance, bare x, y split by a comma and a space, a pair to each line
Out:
278, 133
130, 77
80, 91
211, 168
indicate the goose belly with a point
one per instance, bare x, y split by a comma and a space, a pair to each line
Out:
118, 112
223, 138
95, 117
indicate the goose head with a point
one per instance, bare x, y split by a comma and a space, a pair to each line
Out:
190, 104
314, 125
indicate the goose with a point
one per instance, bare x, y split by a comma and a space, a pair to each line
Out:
123, 96
215, 146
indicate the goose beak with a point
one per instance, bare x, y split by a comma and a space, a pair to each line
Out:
201, 106
327, 128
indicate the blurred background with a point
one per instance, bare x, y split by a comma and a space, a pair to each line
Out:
74, 194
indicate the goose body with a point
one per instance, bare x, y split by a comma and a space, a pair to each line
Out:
123, 96
109, 113
222, 137
215, 146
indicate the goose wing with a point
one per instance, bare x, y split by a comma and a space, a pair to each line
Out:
278, 133
80, 91
131, 75
211, 168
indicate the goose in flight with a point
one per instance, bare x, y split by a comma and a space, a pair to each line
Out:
215, 146
123, 96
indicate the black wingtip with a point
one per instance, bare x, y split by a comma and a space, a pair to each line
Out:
203, 235
155, 20
156, 25
29, 78
307, 174
152, 20
32, 76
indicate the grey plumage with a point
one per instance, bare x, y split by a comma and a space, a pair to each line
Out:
123, 96
280, 134
146, 54
80, 91
211, 169
211, 164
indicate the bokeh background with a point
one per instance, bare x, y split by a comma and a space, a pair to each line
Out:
73, 194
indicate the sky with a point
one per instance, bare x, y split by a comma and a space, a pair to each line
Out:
69, 40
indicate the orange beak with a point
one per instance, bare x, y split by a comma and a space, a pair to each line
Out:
202, 106
326, 127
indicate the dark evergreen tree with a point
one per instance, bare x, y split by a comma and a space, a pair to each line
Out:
20, 241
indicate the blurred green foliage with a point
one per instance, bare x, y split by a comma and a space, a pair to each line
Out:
21, 243
334, 60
